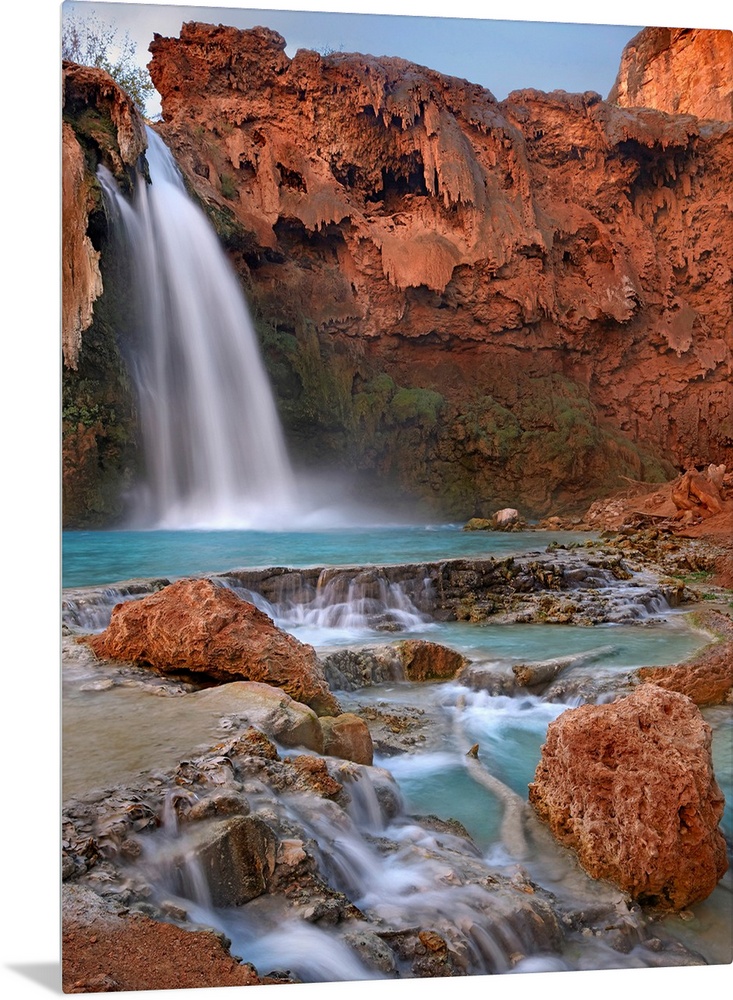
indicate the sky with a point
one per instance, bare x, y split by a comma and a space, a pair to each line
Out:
29, 401
501, 55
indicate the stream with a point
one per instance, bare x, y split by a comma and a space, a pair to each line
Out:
389, 863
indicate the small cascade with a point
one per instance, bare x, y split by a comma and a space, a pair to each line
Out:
399, 873
89, 609
347, 603
214, 450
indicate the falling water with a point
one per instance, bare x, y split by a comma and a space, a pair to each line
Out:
214, 451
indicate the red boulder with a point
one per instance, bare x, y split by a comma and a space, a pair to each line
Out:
630, 788
195, 626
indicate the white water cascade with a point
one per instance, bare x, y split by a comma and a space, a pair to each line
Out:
214, 450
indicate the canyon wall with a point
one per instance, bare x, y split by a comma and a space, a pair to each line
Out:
475, 303
483, 302
99, 426
686, 71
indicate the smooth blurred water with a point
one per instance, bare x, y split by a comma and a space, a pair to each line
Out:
98, 557
432, 778
214, 449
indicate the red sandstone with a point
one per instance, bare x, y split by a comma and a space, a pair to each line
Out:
196, 627
470, 246
630, 788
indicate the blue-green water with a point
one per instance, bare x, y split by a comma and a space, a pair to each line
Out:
651, 644
91, 558
432, 778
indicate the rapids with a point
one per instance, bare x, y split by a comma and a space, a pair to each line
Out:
426, 838
382, 852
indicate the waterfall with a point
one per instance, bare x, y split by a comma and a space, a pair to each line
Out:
214, 450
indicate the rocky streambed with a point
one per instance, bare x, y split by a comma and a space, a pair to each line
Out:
212, 812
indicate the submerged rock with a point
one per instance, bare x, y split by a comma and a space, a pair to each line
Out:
630, 787
196, 627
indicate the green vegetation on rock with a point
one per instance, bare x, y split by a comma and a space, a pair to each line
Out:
86, 40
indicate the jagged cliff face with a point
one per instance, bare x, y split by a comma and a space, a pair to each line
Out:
478, 303
100, 125
685, 71
482, 302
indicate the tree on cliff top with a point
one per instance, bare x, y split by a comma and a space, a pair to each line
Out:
91, 43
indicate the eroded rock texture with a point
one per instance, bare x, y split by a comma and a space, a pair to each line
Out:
487, 303
196, 627
80, 275
707, 677
685, 71
110, 120
100, 127
630, 787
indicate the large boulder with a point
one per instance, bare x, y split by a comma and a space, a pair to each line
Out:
630, 787
199, 627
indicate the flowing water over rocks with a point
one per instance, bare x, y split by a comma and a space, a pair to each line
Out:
429, 861
585, 585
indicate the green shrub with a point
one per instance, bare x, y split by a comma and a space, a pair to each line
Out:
228, 187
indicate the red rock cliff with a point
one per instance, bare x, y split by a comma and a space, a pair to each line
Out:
100, 126
679, 70
542, 285
98, 95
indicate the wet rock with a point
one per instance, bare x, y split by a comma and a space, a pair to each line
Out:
450, 826
270, 710
538, 673
426, 661
706, 678
351, 669
235, 855
217, 806
395, 731
478, 524
630, 787
347, 736
198, 627
426, 952
252, 743
432, 957
372, 950
312, 774
407, 659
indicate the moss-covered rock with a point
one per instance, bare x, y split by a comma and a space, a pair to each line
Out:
100, 453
